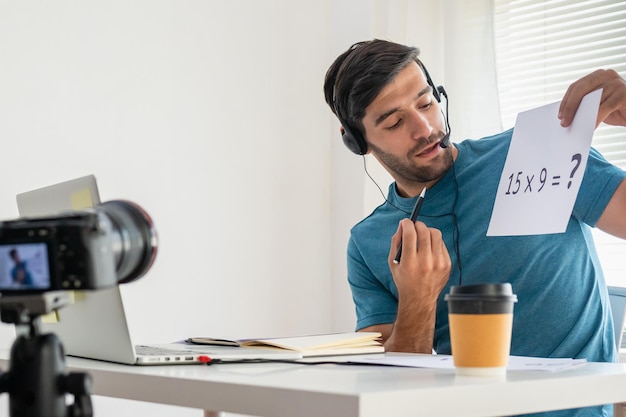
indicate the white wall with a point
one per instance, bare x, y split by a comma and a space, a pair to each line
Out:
209, 114
350, 23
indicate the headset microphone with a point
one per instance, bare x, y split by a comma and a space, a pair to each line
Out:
446, 139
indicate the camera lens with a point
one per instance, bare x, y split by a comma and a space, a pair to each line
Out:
134, 239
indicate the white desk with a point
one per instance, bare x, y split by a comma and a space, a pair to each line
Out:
285, 390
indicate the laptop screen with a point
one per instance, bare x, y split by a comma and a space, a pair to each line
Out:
72, 195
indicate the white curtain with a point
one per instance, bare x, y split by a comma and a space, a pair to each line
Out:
456, 42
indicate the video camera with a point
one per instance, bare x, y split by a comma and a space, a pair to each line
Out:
41, 260
113, 243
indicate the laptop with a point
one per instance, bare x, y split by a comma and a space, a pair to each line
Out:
94, 325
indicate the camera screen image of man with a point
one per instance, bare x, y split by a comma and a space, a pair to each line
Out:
388, 106
19, 273
24, 266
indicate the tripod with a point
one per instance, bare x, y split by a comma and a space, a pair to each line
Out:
36, 382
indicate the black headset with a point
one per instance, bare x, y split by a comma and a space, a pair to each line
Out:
354, 140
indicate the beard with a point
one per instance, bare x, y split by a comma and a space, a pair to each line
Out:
406, 170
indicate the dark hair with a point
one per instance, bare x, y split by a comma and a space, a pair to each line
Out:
359, 74
12, 253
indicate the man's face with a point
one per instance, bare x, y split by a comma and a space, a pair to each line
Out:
403, 127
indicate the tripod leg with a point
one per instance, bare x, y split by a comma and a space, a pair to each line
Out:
79, 385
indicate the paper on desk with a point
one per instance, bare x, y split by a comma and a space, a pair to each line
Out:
543, 170
516, 363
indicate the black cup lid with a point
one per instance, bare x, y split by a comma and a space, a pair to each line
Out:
496, 291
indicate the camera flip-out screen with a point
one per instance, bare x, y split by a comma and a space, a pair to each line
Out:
24, 266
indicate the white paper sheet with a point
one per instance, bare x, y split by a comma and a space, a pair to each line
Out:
515, 363
543, 170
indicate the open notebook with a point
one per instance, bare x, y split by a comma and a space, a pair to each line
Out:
333, 344
95, 325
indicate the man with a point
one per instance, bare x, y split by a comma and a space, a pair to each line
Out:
387, 105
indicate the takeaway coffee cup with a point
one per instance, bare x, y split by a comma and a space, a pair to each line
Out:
481, 320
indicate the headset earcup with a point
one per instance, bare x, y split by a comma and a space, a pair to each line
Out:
356, 144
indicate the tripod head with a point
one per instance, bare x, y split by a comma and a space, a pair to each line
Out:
36, 382
26, 309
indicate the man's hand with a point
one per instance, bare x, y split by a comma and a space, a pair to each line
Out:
425, 265
612, 105
612, 111
420, 276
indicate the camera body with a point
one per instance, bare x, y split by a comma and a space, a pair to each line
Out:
69, 252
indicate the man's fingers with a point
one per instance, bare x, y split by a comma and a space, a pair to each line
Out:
412, 237
423, 236
612, 102
574, 95
396, 241
613, 105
